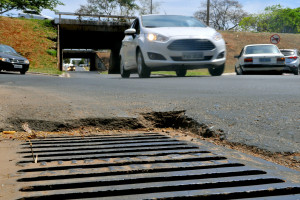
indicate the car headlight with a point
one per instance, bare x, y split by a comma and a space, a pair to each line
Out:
154, 37
26, 61
5, 59
217, 36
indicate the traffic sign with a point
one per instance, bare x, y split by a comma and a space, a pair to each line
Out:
275, 39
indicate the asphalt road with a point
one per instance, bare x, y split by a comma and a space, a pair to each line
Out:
262, 111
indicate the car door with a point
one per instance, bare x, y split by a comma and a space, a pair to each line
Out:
240, 59
298, 60
132, 44
124, 50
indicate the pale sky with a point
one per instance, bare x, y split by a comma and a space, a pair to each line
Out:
185, 7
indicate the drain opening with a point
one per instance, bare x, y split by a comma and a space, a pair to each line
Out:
186, 170
140, 180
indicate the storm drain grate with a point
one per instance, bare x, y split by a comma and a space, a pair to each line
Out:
140, 166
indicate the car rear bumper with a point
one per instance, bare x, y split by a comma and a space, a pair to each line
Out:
259, 67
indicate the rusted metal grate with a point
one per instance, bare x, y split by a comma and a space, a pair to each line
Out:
140, 166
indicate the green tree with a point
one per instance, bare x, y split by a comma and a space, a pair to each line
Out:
274, 19
224, 14
108, 7
82, 61
38, 5
67, 60
145, 5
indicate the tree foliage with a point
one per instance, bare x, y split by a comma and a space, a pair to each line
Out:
38, 5
224, 14
273, 19
145, 5
108, 7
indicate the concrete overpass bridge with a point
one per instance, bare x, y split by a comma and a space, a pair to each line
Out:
91, 32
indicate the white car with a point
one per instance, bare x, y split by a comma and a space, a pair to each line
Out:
292, 60
32, 14
257, 58
171, 43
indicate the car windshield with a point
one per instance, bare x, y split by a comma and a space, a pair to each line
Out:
261, 49
6, 49
153, 21
31, 12
287, 53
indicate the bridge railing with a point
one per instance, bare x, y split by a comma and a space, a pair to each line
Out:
80, 16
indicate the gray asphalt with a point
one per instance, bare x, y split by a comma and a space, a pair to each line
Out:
261, 111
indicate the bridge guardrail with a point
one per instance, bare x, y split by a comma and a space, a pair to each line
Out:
100, 17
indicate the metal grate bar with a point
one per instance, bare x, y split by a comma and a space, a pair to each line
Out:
118, 155
242, 192
141, 178
98, 147
83, 140
75, 144
224, 185
205, 160
156, 168
112, 151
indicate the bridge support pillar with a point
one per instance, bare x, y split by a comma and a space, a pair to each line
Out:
114, 62
93, 63
59, 50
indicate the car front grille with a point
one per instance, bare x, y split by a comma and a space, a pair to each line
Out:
191, 45
17, 61
178, 58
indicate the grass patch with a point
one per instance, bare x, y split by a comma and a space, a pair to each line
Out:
52, 52
46, 70
34, 39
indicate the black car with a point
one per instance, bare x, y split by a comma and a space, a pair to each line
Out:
10, 60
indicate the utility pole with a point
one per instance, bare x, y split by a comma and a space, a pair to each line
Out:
207, 16
150, 6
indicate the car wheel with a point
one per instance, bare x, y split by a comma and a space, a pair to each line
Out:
143, 70
181, 72
124, 73
239, 71
216, 70
297, 71
22, 72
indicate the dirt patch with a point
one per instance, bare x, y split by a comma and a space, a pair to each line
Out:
102, 123
165, 122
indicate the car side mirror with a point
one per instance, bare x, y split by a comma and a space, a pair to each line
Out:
130, 31
236, 56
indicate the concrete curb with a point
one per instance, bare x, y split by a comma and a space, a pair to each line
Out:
45, 74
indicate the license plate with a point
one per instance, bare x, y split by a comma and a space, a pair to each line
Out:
192, 56
18, 66
265, 60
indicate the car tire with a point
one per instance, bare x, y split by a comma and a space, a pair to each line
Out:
297, 71
181, 72
23, 72
239, 72
143, 70
216, 70
124, 73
